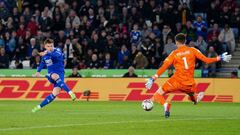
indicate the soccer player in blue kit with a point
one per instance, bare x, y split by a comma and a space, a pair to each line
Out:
53, 59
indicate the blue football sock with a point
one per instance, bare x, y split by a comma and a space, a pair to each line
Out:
47, 100
62, 85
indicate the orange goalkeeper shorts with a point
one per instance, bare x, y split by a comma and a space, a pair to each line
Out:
172, 85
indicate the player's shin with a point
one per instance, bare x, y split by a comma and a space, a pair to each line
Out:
62, 85
47, 100
159, 98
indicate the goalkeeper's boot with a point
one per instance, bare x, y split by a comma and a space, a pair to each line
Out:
36, 108
167, 107
72, 95
200, 96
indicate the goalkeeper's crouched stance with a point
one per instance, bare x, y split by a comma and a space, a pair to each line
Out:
183, 60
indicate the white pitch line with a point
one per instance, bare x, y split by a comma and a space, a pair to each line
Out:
107, 123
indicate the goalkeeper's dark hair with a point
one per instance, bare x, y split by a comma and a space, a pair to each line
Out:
48, 41
181, 38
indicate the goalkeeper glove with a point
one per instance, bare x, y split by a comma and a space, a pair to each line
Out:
150, 82
225, 57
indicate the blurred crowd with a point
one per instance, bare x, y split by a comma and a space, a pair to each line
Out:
115, 34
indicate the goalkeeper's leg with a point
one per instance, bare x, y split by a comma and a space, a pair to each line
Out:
192, 97
159, 98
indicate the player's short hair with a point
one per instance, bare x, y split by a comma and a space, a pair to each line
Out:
181, 38
48, 41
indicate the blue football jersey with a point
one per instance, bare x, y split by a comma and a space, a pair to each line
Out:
54, 61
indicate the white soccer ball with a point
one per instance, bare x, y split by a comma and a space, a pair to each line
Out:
147, 105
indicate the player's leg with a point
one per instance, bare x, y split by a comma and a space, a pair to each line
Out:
192, 97
59, 79
48, 99
191, 90
200, 96
159, 98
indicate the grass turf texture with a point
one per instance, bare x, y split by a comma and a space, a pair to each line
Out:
118, 118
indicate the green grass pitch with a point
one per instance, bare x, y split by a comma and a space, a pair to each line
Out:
118, 118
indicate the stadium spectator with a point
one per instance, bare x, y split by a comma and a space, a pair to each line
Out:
108, 63
212, 66
148, 48
68, 50
21, 32
140, 61
93, 63
213, 32
122, 53
35, 59
201, 45
153, 64
33, 45
213, 13
4, 59
32, 26
216, 44
224, 17
200, 26
73, 19
205, 71
45, 22
130, 73
230, 4
10, 43
226, 37
75, 73
166, 32
169, 47
135, 35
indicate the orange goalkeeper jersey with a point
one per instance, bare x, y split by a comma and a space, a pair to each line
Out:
183, 60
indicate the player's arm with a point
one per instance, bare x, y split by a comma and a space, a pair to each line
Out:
167, 62
40, 67
223, 57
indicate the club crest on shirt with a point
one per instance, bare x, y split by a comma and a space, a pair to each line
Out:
48, 62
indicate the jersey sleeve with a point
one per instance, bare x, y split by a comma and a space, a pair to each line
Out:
167, 62
41, 65
203, 58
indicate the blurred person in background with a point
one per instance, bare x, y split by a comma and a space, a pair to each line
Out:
226, 37
4, 59
212, 67
130, 72
75, 73
140, 61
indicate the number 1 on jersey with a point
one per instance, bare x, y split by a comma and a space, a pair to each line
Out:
185, 62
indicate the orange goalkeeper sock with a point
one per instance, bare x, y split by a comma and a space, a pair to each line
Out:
159, 98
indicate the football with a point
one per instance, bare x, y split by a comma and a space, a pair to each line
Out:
147, 105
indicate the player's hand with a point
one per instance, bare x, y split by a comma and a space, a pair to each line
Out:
42, 53
225, 57
37, 74
149, 83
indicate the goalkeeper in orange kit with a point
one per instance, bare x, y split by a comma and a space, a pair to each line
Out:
183, 60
